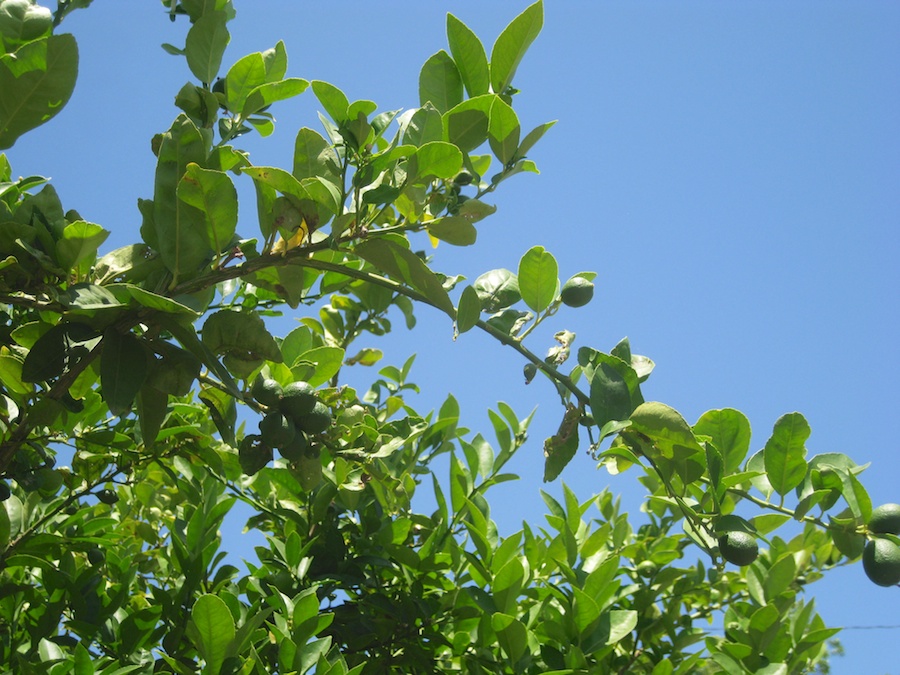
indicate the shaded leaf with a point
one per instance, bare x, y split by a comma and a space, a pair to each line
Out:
123, 369
213, 193
36, 81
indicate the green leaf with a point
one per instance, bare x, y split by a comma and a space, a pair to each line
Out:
266, 94
205, 44
470, 57
512, 44
455, 230
538, 282
22, 22
79, 243
423, 126
179, 230
84, 664
213, 193
151, 407
314, 156
407, 267
440, 83
664, 426
469, 309
332, 99
36, 81
615, 624
497, 290
784, 452
126, 292
438, 159
532, 138
315, 189
242, 338
215, 628
318, 365
503, 131
123, 368
243, 77
729, 430
610, 394
511, 635
466, 125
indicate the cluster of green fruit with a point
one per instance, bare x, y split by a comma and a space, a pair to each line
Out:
294, 415
881, 555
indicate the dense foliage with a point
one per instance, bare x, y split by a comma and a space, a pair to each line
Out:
150, 367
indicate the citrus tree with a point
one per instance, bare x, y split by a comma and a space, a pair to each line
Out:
152, 372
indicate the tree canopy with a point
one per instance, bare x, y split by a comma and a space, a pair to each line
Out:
153, 371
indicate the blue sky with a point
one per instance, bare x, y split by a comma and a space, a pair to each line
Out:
729, 170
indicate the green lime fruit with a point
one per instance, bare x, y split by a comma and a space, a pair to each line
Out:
881, 562
107, 496
298, 399
647, 568
96, 557
266, 391
5, 492
276, 430
317, 420
577, 292
885, 519
309, 470
738, 548
253, 454
294, 450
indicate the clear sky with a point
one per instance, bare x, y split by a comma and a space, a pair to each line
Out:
729, 169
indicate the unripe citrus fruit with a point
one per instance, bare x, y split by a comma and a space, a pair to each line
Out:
5, 492
266, 391
885, 519
294, 450
881, 562
738, 548
298, 399
107, 496
310, 471
577, 292
276, 430
96, 557
317, 420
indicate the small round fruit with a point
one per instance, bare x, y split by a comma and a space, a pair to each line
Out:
577, 292
309, 469
738, 548
647, 568
317, 420
276, 430
5, 492
881, 562
266, 391
96, 557
107, 496
298, 399
885, 519
294, 450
